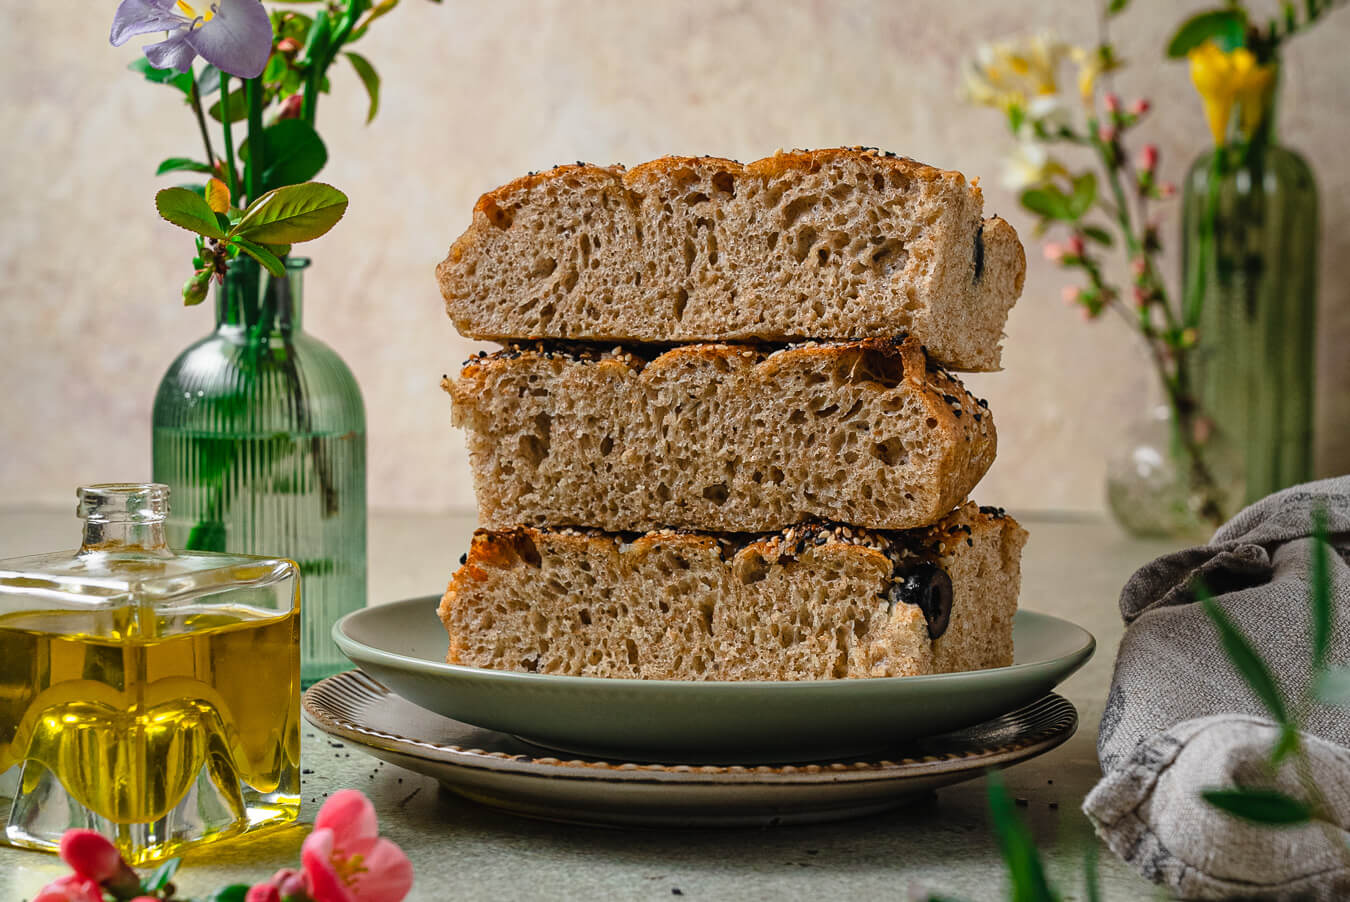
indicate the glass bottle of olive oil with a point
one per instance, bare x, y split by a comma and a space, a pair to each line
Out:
151, 696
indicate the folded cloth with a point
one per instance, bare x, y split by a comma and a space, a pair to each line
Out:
1180, 719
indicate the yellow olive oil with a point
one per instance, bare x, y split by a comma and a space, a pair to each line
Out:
169, 726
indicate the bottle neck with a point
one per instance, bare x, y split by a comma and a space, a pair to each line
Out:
124, 518
252, 299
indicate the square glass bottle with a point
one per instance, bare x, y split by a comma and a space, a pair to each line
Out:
149, 695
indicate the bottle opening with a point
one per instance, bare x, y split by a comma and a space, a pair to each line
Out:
131, 502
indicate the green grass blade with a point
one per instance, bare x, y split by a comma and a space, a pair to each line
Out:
1092, 886
1319, 577
1025, 870
1245, 659
1260, 806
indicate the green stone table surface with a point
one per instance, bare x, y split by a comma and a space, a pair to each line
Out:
1073, 567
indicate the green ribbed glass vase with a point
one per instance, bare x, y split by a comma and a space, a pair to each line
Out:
260, 434
1249, 254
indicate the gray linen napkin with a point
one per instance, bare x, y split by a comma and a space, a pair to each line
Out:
1180, 719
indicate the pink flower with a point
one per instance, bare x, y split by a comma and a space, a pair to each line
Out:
344, 860
1140, 106
1167, 189
1074, 246
284, 883
70, 888
263, 892
1112, 103
1070, 293
93, 856
291, 107
1139, 266
1107, 134
1148, 157
1053, 252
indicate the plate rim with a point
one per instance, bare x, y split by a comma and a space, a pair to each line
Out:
1082, 652
553, 767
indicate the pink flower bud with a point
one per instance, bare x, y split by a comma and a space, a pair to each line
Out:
263, 892
291, 106
1071, 294
70, 888
1112, 102
1139, 266
1140, 106
288, 45
1053, 252
1167, 189
1140, 297
1148, 157
91, 855
1075, 245
1107, 134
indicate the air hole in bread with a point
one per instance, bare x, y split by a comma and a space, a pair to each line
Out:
931, 422
793, 211
725, 182
751, 568
533, 449
803, 242
716, 493
827, 411
543, 267
525, 549
606, 446
890, 452
695, 197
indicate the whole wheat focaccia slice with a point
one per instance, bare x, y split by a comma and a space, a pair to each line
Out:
841, 243
719, 437
816, 601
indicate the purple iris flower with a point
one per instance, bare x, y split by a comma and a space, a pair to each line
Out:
235, 36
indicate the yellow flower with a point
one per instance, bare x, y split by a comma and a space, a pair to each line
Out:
1223, 79
1029, 166
1009, 74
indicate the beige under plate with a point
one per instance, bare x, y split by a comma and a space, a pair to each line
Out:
505, 772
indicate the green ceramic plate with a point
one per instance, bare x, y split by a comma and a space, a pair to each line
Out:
403, 646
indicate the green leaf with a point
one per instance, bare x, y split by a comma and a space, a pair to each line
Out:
292, 214
174, 79
1025, 870
1245, 660
370, 78
382, 8
1098, 234
269, 260
1333, 687
1226, 27
208, 80
187, 210
1084, 193
293, 152
1319, 578
236, 104
236, 892
1050, 202
161, 875
1262, 806
1286, 745
182, 164
1116, 6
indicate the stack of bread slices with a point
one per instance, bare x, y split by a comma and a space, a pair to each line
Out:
722, 440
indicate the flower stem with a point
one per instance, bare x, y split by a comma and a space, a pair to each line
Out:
195, 98
257, 149
231, 178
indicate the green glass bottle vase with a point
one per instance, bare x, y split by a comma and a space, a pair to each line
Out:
260, 434
1249, 256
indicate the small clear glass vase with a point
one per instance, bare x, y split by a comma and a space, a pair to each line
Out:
260, 432
1155, 489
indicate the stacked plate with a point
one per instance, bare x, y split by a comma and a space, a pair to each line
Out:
622, 751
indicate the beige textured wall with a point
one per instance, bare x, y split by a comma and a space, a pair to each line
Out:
478, 91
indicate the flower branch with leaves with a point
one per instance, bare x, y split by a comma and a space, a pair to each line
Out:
281, 60
1076, 170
